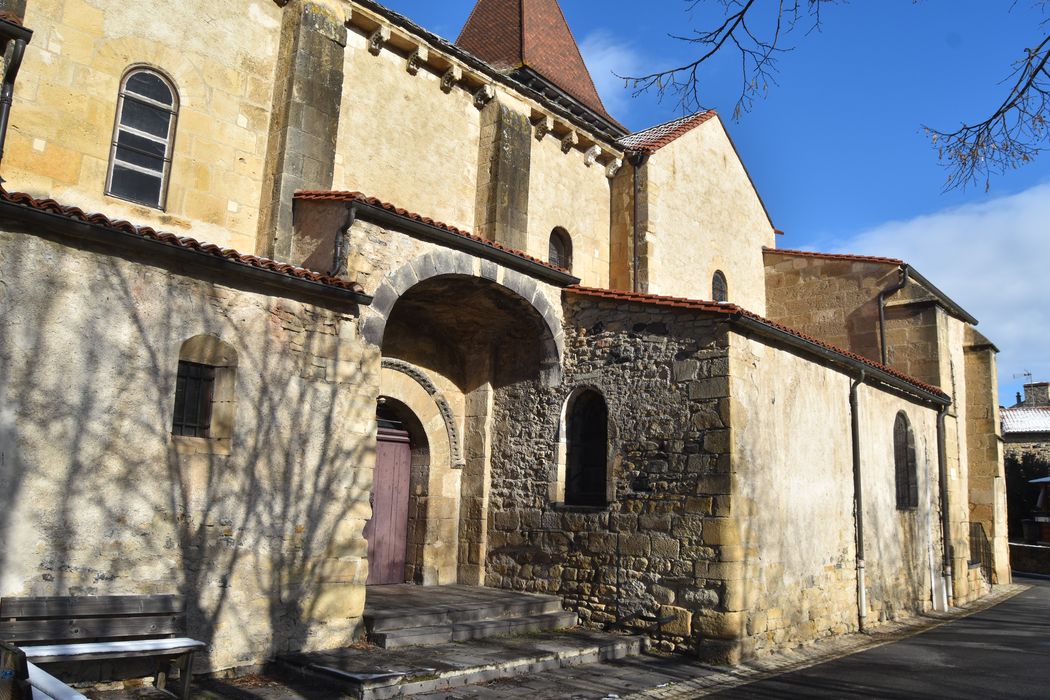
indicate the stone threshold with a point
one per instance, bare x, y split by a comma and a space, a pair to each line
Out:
376, 674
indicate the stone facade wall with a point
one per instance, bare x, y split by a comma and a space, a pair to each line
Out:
793, 501
829, 299
263, 535
221, 58
987, 478
702, 218
564, 191
1018, 445
405, 140
651, 558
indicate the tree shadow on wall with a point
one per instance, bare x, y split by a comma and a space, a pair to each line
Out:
95, 497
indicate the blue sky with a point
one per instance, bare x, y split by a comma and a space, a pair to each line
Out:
836, 149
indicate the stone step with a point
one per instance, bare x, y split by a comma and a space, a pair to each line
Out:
478, 629
524, 605
379, 674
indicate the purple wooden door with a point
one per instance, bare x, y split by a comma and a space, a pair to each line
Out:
387, 531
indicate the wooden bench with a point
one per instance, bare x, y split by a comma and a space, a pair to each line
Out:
94, 628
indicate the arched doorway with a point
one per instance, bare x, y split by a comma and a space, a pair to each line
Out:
467, 337
402, 458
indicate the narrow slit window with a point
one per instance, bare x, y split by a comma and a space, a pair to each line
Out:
719, 287
140, 157
588, 451
559, 251
194, 394
906, 471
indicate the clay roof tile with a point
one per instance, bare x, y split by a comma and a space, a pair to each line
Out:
732, 310
101, 220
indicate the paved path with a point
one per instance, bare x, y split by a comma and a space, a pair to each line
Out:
1003, 652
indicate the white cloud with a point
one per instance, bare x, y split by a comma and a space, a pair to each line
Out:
608, 56
993, 258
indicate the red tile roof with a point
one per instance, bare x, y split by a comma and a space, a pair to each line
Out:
834, 256
732, 310
11, 17
340, 196
509, 34
75, 213
656, 137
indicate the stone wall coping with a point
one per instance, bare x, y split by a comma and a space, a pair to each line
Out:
947, 302
385, 214
770, 329
99, 229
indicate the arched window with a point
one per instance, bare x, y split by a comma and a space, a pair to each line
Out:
560, 249
907, 475
586, 469
140, 158
204, 392
719, 287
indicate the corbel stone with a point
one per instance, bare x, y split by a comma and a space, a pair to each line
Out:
569, 141
544, 125
483, 96
452, 76
378, 38
417, 59
592, 155
613, 167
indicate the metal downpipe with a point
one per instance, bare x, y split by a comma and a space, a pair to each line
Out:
858, 503
7, 92
883, 295
946, 530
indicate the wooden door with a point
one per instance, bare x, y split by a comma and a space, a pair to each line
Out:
387, 531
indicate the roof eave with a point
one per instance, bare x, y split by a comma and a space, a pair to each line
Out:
102, 236
379, 215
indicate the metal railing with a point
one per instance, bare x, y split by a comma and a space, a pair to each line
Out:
981, 549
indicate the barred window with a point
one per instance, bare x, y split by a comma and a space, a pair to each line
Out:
140, 157
194, 392
560, 249
719, 287
907, 476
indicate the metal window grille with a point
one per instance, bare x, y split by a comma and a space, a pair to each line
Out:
194, 392
559, 251
140, 156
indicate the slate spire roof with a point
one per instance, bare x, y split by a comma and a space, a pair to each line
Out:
511, 35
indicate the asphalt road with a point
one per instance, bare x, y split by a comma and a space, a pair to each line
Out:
1003, 652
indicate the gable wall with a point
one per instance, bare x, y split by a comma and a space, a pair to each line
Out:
704, 215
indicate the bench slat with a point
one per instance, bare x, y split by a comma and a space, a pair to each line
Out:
88, 628
91, 606
52, 653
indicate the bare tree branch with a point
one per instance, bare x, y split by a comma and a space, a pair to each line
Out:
758, 50
1014, 134
758, 30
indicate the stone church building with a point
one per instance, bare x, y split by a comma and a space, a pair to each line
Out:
397, 309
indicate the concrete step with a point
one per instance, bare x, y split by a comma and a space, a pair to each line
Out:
379, 674
478, 629
524, 605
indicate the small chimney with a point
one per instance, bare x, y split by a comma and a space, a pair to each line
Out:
1037, 394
